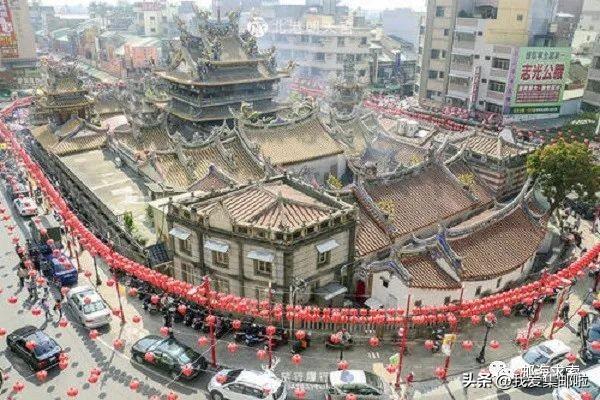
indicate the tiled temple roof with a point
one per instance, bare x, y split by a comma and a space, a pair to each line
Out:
79, 144
213, 180
295, 142
459, 167
148, 138
369, 236
403, 153
426, 274
421, 199
491, 146
272, 205
499, 248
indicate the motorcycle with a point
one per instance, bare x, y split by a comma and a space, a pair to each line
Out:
346, 342
437, 335
252, 336
298, 346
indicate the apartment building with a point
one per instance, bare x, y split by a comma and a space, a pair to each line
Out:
495, 56
588, 28
319, 44
591, 96
150, 17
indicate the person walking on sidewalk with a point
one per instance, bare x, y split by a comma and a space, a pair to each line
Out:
46, 308
32, 287
22, 274
58, 307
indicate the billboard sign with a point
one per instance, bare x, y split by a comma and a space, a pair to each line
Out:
540, 80
8, 36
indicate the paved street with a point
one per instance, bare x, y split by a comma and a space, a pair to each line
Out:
119, 370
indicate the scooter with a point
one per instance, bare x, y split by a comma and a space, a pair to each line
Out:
345, 343
298, 346
437, 335
251, 337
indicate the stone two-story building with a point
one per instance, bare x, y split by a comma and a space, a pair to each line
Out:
274, 231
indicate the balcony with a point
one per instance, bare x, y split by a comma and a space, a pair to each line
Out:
466, 25
498, 73
464, 45
461, 67
502, 50
463, 89
498, 96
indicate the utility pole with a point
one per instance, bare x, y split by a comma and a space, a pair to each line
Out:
270, 337
402, 348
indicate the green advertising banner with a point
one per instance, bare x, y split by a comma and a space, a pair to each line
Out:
540, 80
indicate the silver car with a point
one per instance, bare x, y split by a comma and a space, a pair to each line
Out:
89, 308
365, 385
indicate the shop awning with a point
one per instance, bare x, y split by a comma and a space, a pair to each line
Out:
373, 303
327, 246
259, 255
216, 246
331, 290
180, 233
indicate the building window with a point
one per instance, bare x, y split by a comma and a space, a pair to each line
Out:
593, 86
441, 75
446, 32
220, 258
432, 74
443, 54
185, 246
323, 258
519, 17
385, 283
494, 108
339, 58
495, 86
341, 42
596, 63
320, 57
447, 300
363, 41
498, 282
304, 38
439, 11
186, 272
487, 58
221, 285
500, 63
478, 291
435, 54
418, 303
263, 267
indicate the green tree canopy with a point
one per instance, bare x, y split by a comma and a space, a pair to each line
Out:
564, 167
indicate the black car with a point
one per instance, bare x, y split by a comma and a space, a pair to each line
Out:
44, 355
170, 356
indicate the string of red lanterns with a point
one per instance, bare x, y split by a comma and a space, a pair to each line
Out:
471, 309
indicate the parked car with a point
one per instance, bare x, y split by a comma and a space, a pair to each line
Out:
365, 385
25, 206
52, 231
17, 189
592, 386
55, 271
587, 353
550, 353
242, 384
89, 308
44, 355
170, 356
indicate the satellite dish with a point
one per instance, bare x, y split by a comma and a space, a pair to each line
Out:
257, 27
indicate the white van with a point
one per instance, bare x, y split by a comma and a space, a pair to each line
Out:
592, 386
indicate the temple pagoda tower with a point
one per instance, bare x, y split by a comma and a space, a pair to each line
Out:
215, 70
62, 97
346, 91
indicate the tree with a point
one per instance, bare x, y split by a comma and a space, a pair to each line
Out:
564, 167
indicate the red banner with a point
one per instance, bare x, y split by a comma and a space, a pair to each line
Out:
8, 37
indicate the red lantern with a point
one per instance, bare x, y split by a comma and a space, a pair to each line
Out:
335, 338
261, 354
582, 313
475, 319
149, 357
300, 335
236, 324
187, 370
182, 309
494, 344
93, 378
136, 318
467, 345
72, 392
118, 344
12, 299
596, 345
374, 341
134, 384
585, 396
30, 344
571, 357
63, 322
18, 387
202, 341
87, 300
299, 393
87, 273
429, 344
95, 371
36, 311
63, 364
93, 334
596, 304
440, 372
164, 330
110, 282
390, 368
342, 365
221, 378
270, 330
133, 292
506, 310
350, 396
296, 359
558, 323
41, 375
537, 333
232, 347
2, 331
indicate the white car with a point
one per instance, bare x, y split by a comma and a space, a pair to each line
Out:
243, 384
548, 354
365, 385
26, 206
592, 386
88, 306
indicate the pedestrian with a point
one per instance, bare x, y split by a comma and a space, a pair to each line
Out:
33, 293
564, 311
58, 307
410, 390
46, 308
22, 274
